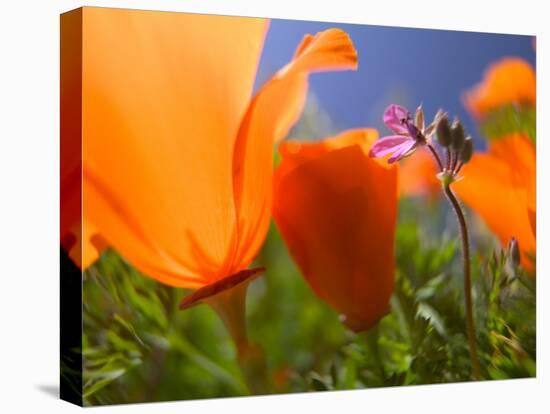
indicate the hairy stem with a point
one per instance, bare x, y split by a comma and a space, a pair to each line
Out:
470, 327
436, 156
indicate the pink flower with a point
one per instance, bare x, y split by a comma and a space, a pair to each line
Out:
410, 133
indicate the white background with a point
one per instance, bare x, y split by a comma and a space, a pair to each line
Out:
29, 196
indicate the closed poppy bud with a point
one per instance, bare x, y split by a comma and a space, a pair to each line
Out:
513, 252
443, 132
467, 150
457, 135
336, 210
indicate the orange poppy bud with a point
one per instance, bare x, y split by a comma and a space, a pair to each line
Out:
336, 210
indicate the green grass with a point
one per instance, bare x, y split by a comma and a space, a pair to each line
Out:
139, 347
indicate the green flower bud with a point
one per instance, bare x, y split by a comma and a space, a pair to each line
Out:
457, 135
419, 118
467, 150
443, 132
513, 251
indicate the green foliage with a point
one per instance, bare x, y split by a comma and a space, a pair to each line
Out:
135, 340
509, 119
138, 346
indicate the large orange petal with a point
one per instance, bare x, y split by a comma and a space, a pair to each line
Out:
336, 210
70, 171
518, 151
520, 154
509, 81
273, 111
494, 187
164, 94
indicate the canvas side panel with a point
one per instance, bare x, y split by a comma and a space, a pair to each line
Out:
71, 207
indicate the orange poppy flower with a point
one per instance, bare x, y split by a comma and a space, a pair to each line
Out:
71, 226
500, 186
418, 176
70, 197
336, 209
509, 81
177, 153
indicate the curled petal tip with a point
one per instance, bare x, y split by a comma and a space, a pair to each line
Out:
331, 49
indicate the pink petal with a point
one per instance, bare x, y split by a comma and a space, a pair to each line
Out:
387, 145
393, 116
401, 151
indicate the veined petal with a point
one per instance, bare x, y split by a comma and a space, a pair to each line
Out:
402, 151
393, 116
164, 94
508, 81
127, 234
272, 112
388, 145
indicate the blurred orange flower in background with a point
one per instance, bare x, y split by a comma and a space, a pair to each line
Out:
177, 153
418, 176
508, 81
500, 185
336, 209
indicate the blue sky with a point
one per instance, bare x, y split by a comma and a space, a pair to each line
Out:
396, 65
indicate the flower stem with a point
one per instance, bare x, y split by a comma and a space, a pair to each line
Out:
470, 327
436, 156
230, 306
